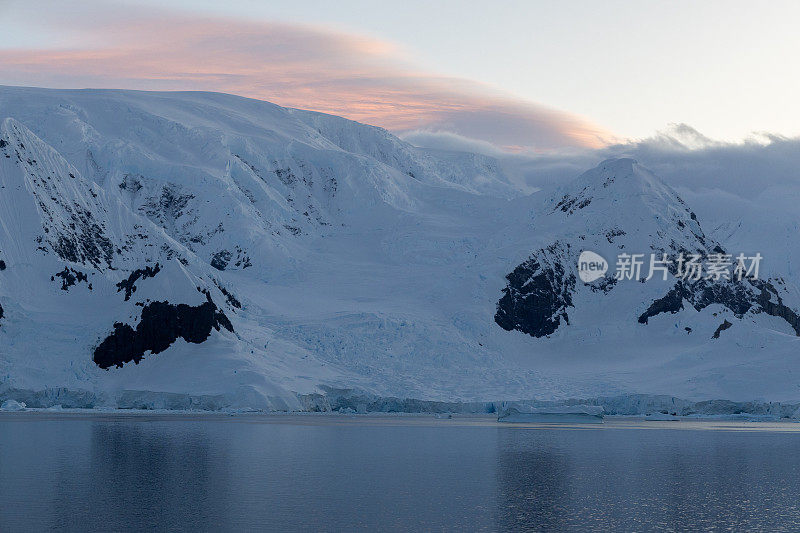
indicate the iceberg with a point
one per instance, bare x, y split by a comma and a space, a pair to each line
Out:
567, 414
12, 405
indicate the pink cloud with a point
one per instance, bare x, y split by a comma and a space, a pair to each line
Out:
296, 66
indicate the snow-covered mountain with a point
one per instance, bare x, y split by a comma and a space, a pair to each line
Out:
205, 250
621, 208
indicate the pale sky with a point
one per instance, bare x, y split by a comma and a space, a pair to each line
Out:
589, 71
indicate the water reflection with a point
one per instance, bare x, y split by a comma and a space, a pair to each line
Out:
533, 481
210, 474
152, 475
647, 479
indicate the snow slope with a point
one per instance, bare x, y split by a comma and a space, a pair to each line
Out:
205, 250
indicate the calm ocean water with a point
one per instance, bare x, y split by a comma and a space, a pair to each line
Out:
334, 473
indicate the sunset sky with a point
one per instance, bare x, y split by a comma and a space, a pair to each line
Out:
512, 76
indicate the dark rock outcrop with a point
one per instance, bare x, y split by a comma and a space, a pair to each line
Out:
672, 302
161, 324
737, 296
776, 308
230, 298
128, 285
87, 246
69, 277
536, 297
722, 327
221, 259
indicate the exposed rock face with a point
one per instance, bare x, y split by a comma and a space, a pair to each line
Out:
776, 308
537, 295
221, 259
230, 298
74, 220
672, 302
161, 324
224, 259
722, 327
737, 296
128, 285
69, 277
88, 244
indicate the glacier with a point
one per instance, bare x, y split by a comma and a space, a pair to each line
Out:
188, 250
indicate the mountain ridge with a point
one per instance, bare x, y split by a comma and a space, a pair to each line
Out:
206, 246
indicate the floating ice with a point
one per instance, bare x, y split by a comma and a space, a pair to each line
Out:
12, 405
520, 412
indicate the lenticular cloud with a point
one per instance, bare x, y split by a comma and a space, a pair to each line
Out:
363, 79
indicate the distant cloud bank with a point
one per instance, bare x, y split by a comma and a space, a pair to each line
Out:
686, 159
